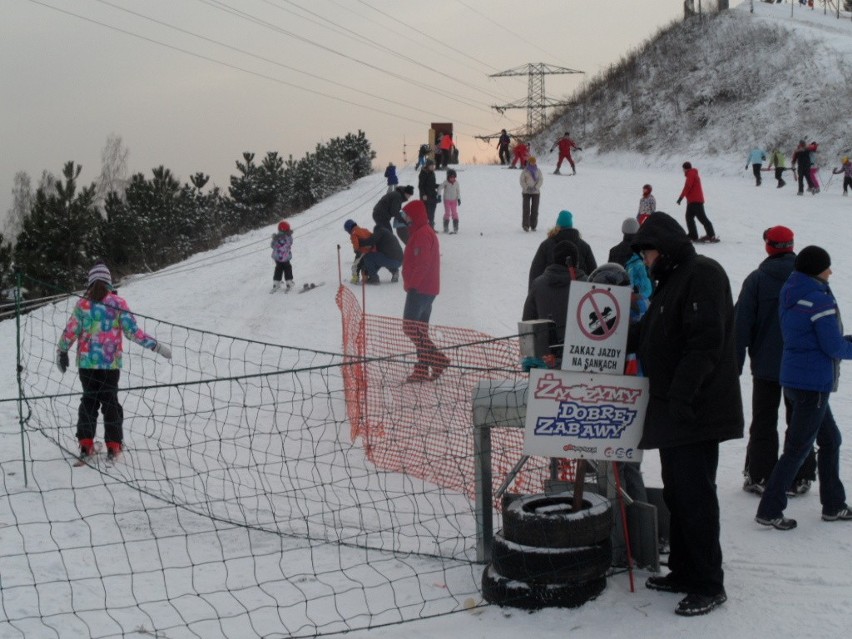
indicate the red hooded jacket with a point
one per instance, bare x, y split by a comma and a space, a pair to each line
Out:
692, 190
421, 262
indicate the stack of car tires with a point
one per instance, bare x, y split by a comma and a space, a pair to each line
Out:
549, 555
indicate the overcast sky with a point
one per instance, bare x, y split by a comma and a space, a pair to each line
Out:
191, 84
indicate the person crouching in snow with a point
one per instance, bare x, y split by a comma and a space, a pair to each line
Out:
97, 324
282, 247
452, 199
361, 244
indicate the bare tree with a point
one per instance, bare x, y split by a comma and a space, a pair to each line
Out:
113, 177
22, 202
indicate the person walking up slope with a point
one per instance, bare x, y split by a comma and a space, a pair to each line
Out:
97, 323
779, 161
694, 195
503, 143
421, 278
282, 252
756, 159
814, 344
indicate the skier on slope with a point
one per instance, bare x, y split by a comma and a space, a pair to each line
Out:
97, 323
503, 143
694, 195
565, 144
282, 253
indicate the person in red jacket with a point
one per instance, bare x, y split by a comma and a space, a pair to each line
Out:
694, 195
446, 146
421, 278
520, 153
565, 144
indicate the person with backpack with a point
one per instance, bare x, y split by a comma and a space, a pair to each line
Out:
282, 253
97, 324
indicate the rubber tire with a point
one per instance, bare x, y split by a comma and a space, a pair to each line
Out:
549, 521
536, 565
499, 590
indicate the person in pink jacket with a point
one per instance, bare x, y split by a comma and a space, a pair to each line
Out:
421, 278
694, 195
97, 323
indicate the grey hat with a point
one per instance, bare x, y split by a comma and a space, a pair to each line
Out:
630, 226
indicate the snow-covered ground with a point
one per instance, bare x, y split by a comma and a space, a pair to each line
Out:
779, 584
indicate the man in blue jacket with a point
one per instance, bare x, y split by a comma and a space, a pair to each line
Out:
814, 344
759, 333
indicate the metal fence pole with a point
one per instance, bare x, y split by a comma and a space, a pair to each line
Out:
19, 369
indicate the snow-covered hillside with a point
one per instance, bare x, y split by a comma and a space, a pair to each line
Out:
720, 85
779, 584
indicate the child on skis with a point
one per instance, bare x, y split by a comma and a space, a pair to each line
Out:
452, 199
647, 204
282, 246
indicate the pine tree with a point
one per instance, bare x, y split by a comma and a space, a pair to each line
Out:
61, 237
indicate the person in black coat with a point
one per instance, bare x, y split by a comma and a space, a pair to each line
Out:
427, 186
759, 333
564, 231
388, 254
548, 295
387, 211
622, 252
686, 346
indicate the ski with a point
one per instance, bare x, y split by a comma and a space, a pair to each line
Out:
309, 286
79, 461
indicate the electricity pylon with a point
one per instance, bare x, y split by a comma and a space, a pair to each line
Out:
536, 102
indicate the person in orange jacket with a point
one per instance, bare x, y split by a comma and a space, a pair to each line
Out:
694, 195
446, 146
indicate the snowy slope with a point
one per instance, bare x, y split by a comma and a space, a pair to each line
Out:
779, 584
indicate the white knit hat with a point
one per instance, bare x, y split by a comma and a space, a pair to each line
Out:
99, 273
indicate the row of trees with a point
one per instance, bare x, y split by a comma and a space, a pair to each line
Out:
145, 223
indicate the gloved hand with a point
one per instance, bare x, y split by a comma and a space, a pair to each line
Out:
439, 198
458, 201
681, 411
62, 360
679, 200
162, 349
579, 148
746, 167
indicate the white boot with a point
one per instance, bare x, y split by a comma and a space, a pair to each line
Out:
275, 286
290, 284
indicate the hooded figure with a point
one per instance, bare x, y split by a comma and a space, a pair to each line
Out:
564, 231
686, 347
548, 294
421, 277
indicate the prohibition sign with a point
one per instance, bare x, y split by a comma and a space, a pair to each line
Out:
598, 314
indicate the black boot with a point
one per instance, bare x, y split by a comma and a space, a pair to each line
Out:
455, 226
446, 226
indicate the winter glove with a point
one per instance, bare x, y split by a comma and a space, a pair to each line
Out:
439, 199
62, 361
162, 349
681, 411
679, 200
458, 201
579, 148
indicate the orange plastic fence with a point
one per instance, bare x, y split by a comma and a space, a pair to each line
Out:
424, 429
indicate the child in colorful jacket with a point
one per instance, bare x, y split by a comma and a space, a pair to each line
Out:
282, 252
647, 204
97, 324
359, 237
846, 170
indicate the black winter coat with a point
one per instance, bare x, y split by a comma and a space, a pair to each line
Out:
548, 299
388, 207
386, 243
427, 185
686, 343
621, 252
544, 255
757, 322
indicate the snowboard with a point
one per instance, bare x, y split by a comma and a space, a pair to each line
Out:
309, 286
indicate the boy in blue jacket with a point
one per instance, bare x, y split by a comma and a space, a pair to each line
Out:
814, 344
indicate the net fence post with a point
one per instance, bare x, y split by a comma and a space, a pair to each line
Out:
482, 475
19, 369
